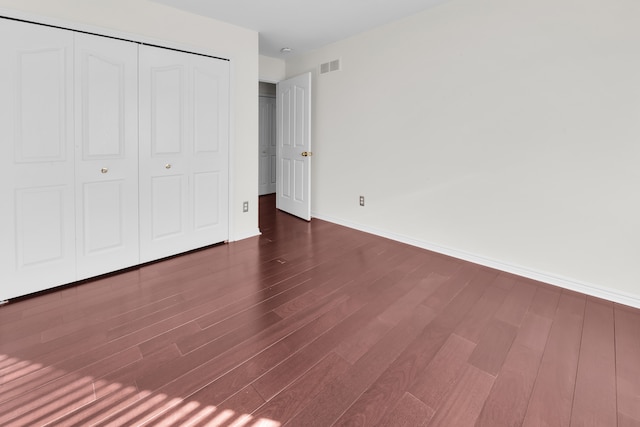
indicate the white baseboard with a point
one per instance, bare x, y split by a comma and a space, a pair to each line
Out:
563, 282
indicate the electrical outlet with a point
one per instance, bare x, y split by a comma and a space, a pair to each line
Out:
245, 206
361, 200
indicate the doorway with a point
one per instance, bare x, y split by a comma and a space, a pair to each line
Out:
267, 139
285, 144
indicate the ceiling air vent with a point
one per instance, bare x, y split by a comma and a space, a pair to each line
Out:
330, 66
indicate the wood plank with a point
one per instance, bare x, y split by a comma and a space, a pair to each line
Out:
627, 421
341, 279
226, 327
24, 385
517, 303
410, 412
456, 282
149, 365
49, 402
493, 346
534, 332
424, 288
277, 294
261, 365
476, 321
545, 301
353, 347
197, 410
552, 396
152, 379
93, 334
206, 370
378, 297
337, 396
506, 404
246, 401
286, 404
169, 337
443, 372
505, 280
116, 396
627, 344
389, 388
594, 403
508, 400
462, 405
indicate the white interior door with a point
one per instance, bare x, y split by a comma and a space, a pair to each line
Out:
106, 124
184, 139
267, 143
37, 247
294, 146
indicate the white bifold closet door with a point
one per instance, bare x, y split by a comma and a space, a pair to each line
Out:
106, 125
37, 224
112, 154
68, 158
184, 135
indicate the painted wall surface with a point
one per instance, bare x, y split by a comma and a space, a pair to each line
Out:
272, 70
166, 25
505, 132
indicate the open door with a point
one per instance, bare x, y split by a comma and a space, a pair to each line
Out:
293, 152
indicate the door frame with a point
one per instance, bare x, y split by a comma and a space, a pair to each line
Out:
273, 82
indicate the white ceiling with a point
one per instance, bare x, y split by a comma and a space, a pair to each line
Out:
302, 25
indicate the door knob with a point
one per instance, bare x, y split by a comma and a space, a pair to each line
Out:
167, 166
307, 154
104, 170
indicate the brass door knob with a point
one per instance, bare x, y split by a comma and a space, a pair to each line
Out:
307, 154
104, 170
167, 166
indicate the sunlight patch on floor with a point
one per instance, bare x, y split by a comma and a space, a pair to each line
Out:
35, 394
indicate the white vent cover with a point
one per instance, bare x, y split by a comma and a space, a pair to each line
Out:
330, 66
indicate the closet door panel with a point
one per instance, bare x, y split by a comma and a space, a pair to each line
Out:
107, 154
210, 165
207, 187
40, 238
206, 114
41, 102
37, 248
168, 200
167, 97
184, 104
165, 226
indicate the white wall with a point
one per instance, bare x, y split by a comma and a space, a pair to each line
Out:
151, 21
272, 70
504, 132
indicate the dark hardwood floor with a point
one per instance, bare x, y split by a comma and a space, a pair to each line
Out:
313, 324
